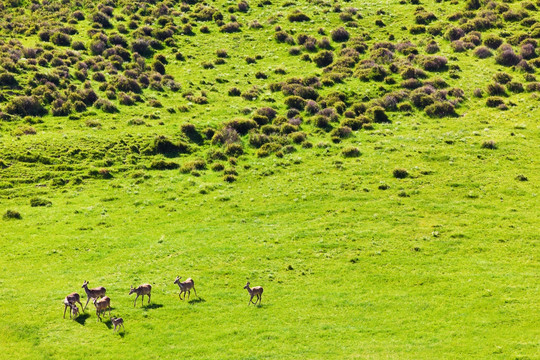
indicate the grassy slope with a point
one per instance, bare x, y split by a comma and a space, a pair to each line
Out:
448, 272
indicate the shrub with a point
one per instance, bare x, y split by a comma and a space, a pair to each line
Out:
493, 41
234, 91
197, 164
241, 126
298, 137
163, 165
25, 106
454, 33
231, 27
340, 35
257, 140
351, 151
440, 109
433, 63
12, 214
217, 167
324, 58
507, 58
496, 89
400, 173
229, 178
164, 145
494, 101
482, 52
515, 87
377, 114
106, 106
234, 149
8, 80
142, 46
102, 19
341, 132
61, 39
489, 144
295, 102
298, 16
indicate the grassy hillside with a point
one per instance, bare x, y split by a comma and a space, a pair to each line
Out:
373, 165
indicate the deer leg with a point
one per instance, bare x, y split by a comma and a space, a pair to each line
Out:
135, 302
80, 303
65, 307
195, 292
250, 300
87, 300
188, 294
149, 298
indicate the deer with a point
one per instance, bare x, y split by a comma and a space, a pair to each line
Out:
94, 293
73, 309
141, 290
102, 305
70, 301
185, 286
254, 291
118, 322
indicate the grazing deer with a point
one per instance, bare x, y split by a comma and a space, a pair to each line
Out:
102, 305
94, 293
254, 291
118, 322
73, 309
141, 290
185, 286
70, 301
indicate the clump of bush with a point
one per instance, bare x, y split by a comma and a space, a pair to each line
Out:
197, 164
163, 145
400, 173
323, 58
37, 201
494, 101
298, 16
340, 35
350, 152
234, 149
163, 165
12, 214
489, 144
377, 114
440, 109
25, 106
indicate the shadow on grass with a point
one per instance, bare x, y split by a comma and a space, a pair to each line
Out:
108, 323
121, 333
196, 301
152, 306
81, 319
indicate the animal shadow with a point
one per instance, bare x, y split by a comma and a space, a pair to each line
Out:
152, 306
196, 301
81, 319
108, 323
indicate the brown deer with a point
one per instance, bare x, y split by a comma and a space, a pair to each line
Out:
254, 291
73, 309
70, 301
94, 293
102, 305
141, 290
185, 286
118, 322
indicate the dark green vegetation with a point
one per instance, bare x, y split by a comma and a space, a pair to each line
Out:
373, 165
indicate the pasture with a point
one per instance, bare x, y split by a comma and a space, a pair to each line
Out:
389, 216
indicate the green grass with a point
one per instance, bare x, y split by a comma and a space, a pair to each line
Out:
355, 263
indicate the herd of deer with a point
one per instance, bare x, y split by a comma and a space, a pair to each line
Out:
102, 302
